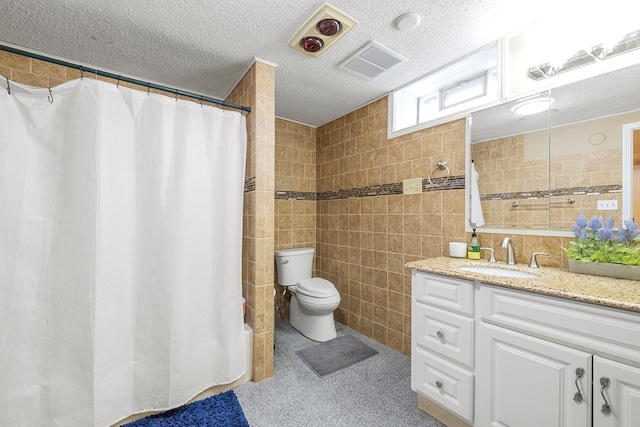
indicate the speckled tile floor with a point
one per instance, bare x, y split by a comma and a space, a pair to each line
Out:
374, 392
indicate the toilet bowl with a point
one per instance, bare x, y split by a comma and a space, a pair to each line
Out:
313, 300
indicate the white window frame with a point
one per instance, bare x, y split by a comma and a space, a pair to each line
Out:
403, 110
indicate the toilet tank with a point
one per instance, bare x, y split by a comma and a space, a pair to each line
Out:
294, 265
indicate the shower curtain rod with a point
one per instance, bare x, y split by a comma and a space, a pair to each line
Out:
124, 79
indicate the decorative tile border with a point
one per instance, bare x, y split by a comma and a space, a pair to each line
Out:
295, 195
250, 184
370, 190
439, 184
571, 191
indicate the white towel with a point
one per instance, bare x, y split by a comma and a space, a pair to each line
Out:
477, 218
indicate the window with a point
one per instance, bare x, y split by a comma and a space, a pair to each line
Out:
447, 94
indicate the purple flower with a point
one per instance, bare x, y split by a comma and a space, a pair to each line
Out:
581, 221
632, 229
576, 230
608, 223
605, 234
596, 223
622, 235
583, 234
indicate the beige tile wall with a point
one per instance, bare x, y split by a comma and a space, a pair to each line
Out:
295, 156
364, 242
587, 169
503, 169
256, 90
295, 171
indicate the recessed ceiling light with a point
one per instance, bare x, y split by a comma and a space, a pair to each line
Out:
407, 22
532, 106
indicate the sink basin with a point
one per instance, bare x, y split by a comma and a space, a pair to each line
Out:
498, 271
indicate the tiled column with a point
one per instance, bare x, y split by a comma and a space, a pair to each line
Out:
256, 90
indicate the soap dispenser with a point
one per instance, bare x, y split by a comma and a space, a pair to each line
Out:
474, 248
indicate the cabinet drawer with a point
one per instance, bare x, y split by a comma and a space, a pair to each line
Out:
444, 292
448, 334
602, 330
443, 383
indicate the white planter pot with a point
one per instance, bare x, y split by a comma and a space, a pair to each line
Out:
618, 271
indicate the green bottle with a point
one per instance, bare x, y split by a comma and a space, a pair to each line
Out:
474, 248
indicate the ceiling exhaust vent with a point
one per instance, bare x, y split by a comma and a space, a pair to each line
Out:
372, 60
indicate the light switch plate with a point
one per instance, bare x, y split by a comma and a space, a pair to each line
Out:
607, 205
412, 186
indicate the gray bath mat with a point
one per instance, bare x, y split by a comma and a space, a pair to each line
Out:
331, 356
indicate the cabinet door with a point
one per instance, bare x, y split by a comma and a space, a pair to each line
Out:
522, 381
616, 389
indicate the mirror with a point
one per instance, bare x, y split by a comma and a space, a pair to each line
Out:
538, 172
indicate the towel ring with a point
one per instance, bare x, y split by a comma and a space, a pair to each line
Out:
441, 165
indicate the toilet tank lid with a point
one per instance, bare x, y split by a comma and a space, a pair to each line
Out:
317, 287
295, 251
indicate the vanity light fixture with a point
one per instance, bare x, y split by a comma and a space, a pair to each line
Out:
597, 53
532, 106
325, 27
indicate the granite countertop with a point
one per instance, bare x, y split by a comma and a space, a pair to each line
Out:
617, 293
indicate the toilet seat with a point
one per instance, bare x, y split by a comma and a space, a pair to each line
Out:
316, 287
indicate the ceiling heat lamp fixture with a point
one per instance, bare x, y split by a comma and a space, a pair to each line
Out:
629, 42
325, 27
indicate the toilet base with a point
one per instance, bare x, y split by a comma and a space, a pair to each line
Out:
314, 322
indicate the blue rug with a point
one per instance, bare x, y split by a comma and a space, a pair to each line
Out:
220, 410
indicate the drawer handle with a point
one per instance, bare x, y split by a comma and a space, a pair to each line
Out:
438, 384
440, 335
604, 383
579, 374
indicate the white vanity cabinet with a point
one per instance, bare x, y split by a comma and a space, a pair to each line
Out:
527, 382
617, 386
540, 361
442, 347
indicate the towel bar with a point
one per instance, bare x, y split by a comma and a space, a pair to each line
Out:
517, 204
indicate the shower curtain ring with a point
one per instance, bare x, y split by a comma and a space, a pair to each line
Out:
81, 74
118, 83
8, 87
50, 97
148, 90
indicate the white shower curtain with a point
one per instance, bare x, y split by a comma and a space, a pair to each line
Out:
120, 252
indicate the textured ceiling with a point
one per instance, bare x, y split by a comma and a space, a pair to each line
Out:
206, 46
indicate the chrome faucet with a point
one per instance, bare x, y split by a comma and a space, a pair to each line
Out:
511, 256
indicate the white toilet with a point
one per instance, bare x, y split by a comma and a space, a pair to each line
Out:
313, 300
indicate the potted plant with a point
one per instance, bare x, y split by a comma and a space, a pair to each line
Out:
599, 252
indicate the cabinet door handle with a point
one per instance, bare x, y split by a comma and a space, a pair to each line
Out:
604, 383
438, 384
440, 334
579, 374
